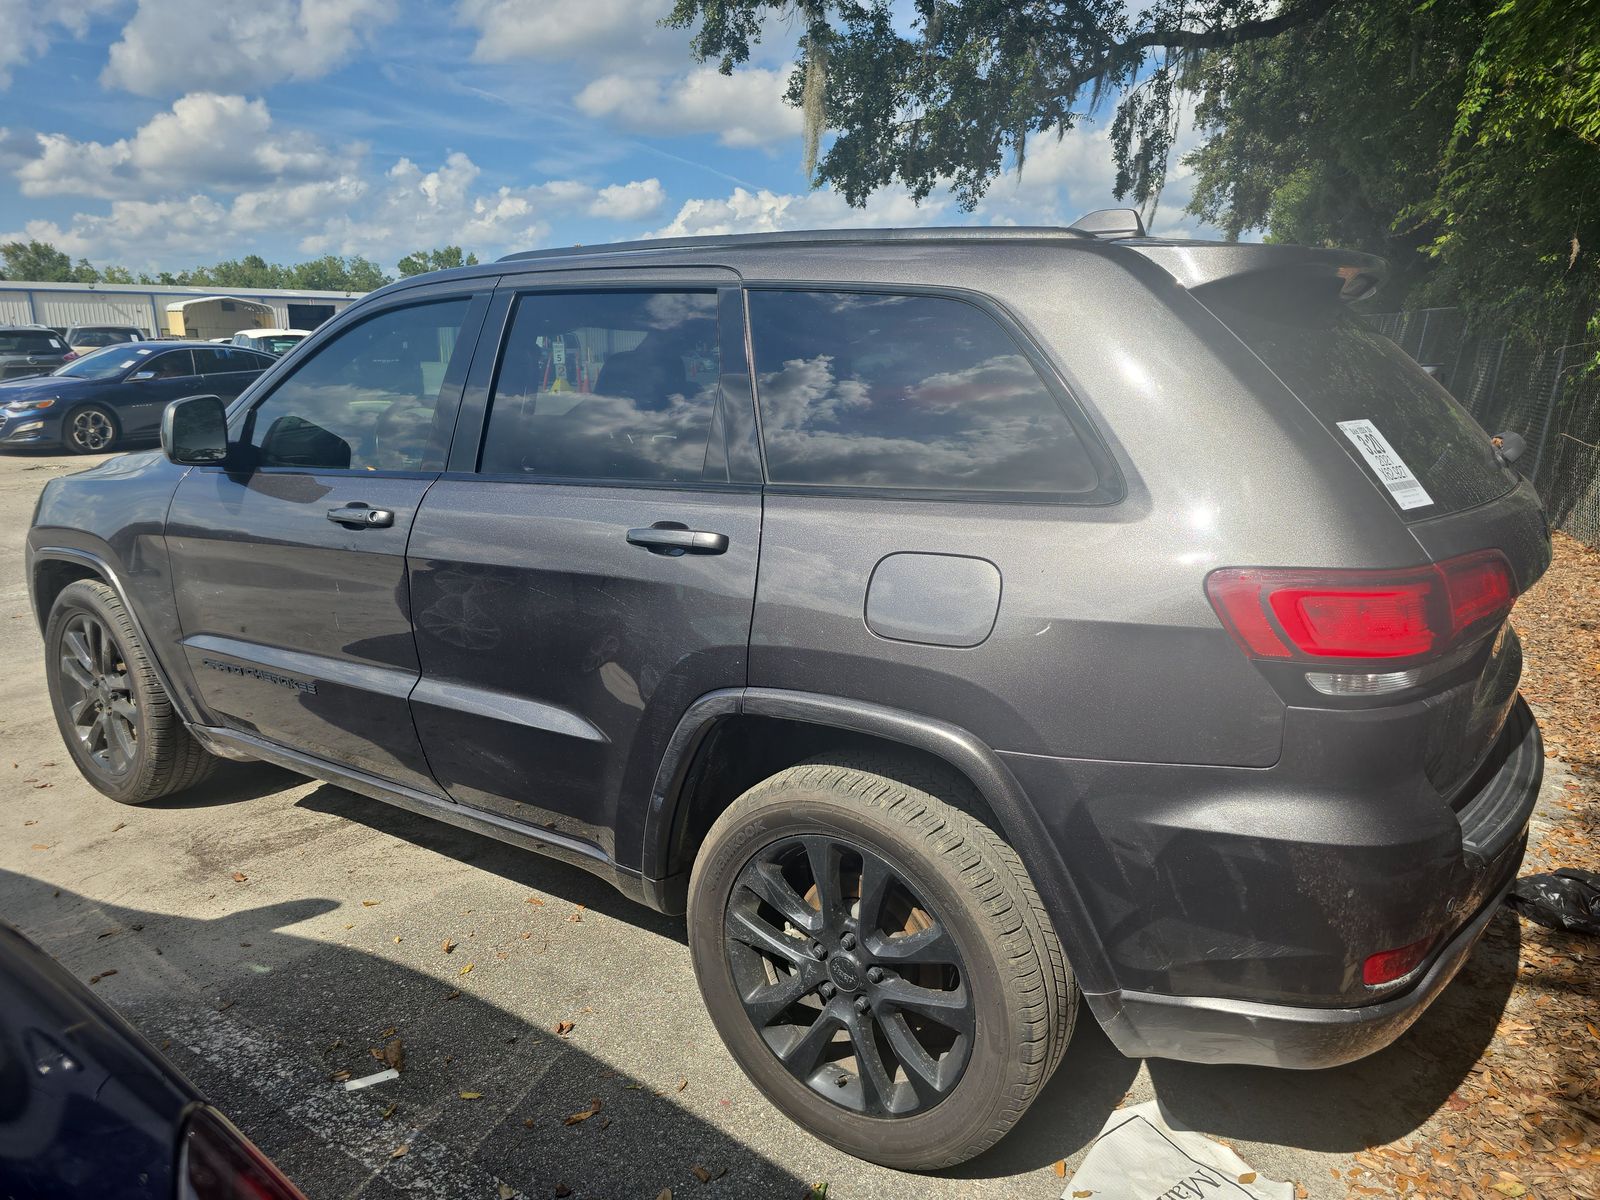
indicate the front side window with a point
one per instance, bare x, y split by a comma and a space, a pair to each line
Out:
369, 398
865, 389
606, 385
176, 365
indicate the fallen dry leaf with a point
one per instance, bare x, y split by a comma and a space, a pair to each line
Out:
578, 1118
564, 1027
664, 1194
119, 825
467, 969
338, 1076
240, 877
447, 945
370, 903
1248, 1177
535, 901
529, 1123
1061, 1168
41, 846
1081, 1195
682, 1083
470, 1095
400, 1151
388, 1112
394, 1055
507, 1191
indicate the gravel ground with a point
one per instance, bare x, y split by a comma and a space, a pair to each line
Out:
271, 933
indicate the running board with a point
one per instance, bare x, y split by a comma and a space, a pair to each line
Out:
233, 744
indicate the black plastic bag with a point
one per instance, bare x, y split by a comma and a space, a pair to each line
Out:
1566, 899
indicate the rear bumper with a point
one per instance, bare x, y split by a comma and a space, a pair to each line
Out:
1208, 1030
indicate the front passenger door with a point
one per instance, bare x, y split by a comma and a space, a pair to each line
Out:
288, 563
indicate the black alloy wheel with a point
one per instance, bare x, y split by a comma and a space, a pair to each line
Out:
854, 984
97, 695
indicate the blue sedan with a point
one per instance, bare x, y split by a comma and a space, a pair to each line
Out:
117, 394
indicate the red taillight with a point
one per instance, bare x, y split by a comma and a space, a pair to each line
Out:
1274, 612
1388, 965
218, 1162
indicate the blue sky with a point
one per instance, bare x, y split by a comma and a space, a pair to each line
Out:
161, 134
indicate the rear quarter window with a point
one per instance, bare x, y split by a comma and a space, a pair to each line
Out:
1344, 371
908, 392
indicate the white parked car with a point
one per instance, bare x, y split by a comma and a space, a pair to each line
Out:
273, 341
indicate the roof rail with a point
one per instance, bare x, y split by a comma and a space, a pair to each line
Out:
1110, 223
928, 233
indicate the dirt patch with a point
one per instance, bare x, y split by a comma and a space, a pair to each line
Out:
1526, 1120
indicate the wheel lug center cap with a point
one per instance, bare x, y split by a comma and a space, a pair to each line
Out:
846, 972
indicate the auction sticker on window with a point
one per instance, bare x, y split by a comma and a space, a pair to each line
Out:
1388, 466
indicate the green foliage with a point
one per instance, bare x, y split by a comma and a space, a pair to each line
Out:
423, 261
1457, 138
330, 273
43, 263
956, 99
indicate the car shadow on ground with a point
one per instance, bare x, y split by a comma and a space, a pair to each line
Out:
1342, 1110
483, 1098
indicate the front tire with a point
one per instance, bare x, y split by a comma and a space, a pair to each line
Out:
877, 960
91, 429
113, 714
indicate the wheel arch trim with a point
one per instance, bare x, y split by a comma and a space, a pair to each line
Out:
958, 747
107, 574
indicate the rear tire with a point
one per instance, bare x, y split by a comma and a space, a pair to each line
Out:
954, 952
91, 429
114, 716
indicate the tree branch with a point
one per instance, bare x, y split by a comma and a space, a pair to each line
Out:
1200, 39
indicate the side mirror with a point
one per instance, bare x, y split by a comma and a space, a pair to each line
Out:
194, 430
141, 376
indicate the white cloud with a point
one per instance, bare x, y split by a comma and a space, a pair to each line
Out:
203, 141
175, 46
408, 208
556, 30
746, 108
629, 201
29, 24
744, 211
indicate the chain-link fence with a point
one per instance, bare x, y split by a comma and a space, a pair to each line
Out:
1544, 390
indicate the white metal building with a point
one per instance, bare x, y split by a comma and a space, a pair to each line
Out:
66, 304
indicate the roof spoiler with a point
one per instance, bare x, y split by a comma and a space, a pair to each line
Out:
1197, 265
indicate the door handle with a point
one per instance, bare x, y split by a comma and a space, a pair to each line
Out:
675, 540
362, 516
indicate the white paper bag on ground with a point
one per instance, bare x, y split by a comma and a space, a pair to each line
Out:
1138, 1156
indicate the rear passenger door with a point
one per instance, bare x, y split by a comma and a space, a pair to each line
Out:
587, 567
226, 371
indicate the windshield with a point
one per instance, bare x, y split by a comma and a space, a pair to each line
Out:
103, 363
277, 345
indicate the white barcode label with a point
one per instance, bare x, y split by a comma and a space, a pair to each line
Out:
1388, 466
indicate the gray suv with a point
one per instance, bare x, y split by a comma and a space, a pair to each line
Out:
959, 625
27, 350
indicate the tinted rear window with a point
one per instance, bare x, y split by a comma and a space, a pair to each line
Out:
865, 389
1343, 371
27, 342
